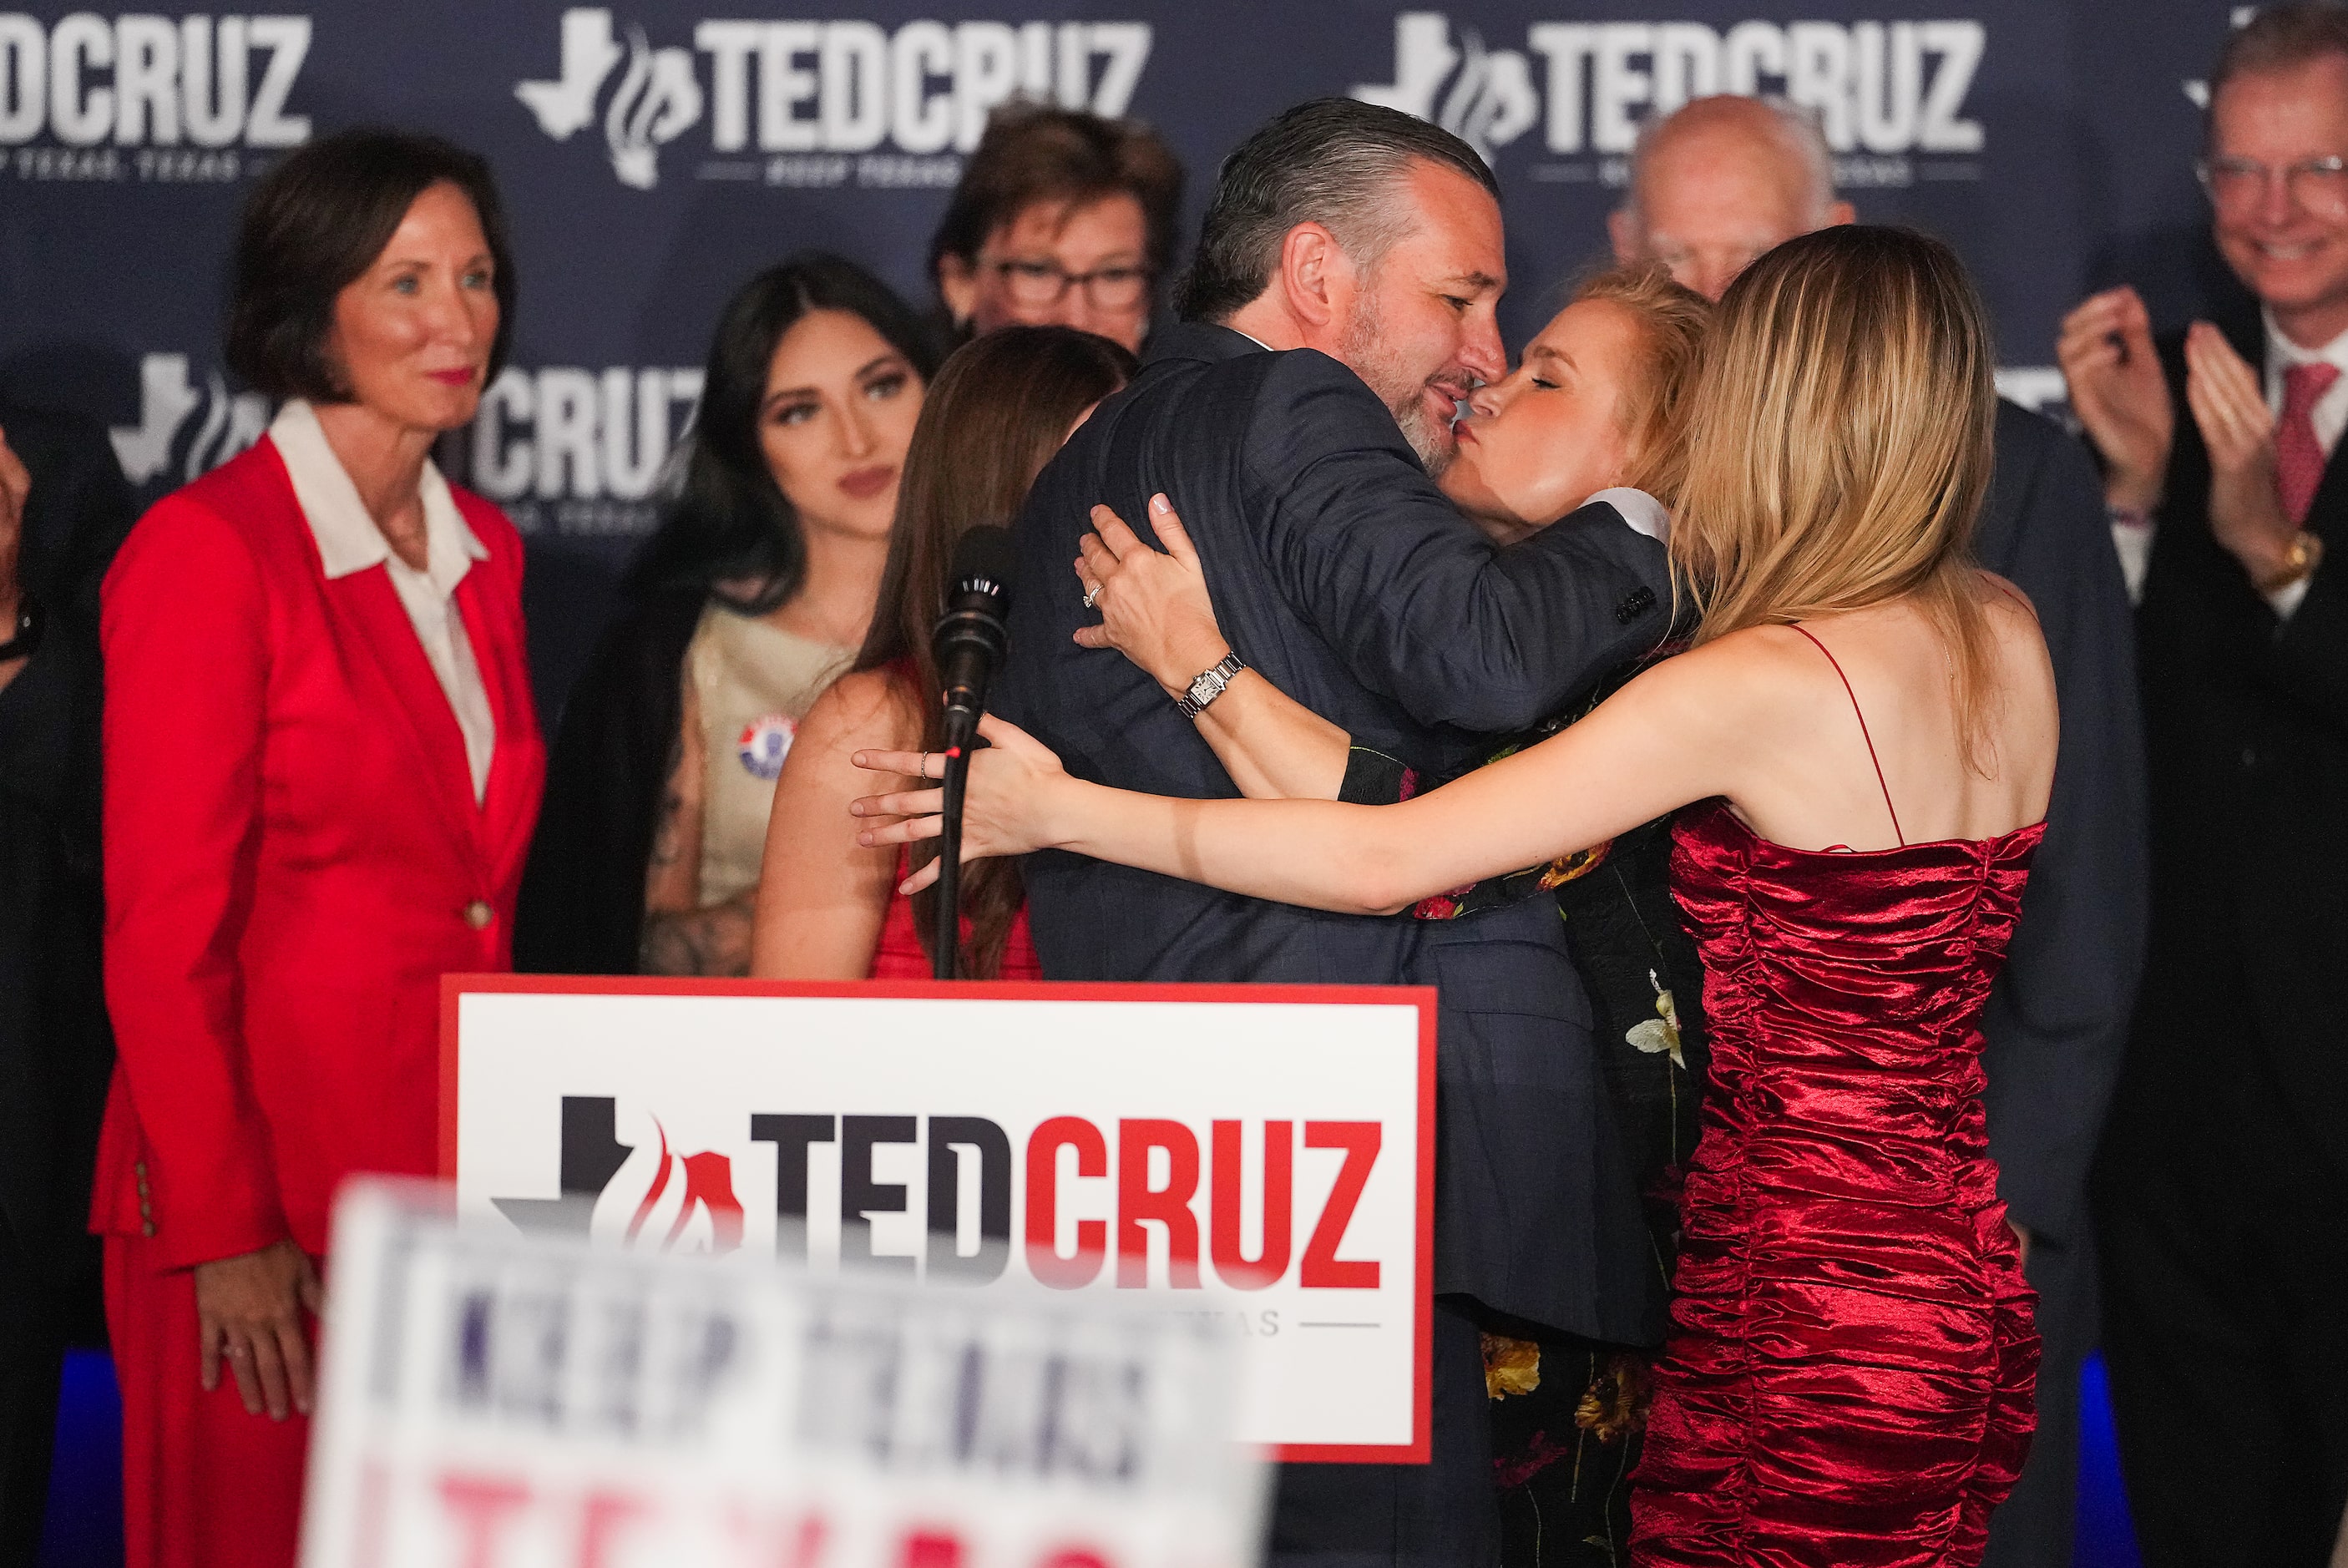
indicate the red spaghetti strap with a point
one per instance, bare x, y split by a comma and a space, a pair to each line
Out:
1863, 734
2015, 595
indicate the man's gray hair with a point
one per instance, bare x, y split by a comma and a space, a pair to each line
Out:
2280, 37
1797, 129
1332, 162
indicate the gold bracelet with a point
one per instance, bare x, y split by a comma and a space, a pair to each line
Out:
2301, 557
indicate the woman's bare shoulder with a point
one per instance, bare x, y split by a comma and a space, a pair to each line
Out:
2001, 597
862, 708
1741, 667
1746, 678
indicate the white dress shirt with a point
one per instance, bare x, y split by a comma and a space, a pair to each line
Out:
2330, 418
1643, 511
349, 541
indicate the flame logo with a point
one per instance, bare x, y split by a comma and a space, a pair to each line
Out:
689, 1198
167, 401
657, 99
1493, 102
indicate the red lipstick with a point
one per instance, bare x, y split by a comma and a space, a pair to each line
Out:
460, 376
863, 484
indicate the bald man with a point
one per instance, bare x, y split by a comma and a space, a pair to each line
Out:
1713, 186
1718, 182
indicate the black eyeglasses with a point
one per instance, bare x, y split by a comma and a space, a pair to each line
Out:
1039, 285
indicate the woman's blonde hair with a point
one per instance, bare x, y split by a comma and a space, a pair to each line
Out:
1674, 322
1839, 448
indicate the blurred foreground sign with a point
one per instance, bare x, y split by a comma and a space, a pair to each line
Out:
504, 1401
1257, 1156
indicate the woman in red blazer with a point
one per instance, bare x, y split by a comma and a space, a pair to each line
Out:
321, 768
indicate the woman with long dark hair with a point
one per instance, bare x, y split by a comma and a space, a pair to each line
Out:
753, 593
1003, 405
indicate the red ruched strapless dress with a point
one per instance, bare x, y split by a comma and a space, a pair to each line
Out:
1849, 1377
901, 957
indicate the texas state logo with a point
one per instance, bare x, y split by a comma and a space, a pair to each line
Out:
764, 743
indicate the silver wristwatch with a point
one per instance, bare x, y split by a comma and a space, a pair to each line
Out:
1208, 685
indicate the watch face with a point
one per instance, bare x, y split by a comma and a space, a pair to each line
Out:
1204, 689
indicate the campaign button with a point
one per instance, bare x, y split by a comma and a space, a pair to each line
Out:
764, 743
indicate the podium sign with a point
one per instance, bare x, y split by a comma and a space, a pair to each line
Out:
506, 1401
1260, 1156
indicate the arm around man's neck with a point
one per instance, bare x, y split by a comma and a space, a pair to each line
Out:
1418, 604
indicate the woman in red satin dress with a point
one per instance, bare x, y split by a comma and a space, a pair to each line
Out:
321, 762
1863, 734
826, 909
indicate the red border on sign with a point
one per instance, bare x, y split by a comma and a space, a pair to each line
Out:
1415, 1452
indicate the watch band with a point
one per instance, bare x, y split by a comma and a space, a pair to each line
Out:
1208, 685
2301, 557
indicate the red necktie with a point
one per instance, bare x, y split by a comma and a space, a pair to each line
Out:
2298, 456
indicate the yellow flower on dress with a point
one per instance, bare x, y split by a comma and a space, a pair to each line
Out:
1510, 1366
1581, 863
1663, 1033
1615, 1403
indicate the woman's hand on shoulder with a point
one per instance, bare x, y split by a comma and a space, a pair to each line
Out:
821, 898
1154, 605
1012, 805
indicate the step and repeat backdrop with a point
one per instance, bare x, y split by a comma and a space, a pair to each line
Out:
655, 152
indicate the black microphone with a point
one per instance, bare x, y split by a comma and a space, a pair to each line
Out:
968, 645
971, 636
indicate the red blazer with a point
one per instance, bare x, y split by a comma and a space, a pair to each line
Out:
293, 859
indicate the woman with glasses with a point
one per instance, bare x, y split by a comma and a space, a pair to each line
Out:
1062, 219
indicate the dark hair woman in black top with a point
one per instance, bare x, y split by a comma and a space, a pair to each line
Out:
754, 592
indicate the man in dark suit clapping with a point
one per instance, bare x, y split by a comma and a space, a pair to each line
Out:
2222, 1188
1341, 300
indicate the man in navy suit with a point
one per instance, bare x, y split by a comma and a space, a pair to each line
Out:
1341, 300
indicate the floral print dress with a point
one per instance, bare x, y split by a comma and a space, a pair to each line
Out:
1567, 1414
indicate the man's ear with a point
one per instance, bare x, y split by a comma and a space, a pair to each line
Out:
1630, 242
1314, 271
958, 286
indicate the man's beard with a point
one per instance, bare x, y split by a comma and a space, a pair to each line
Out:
1365, 350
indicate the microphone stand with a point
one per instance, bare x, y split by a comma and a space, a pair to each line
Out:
968, 645
946, 936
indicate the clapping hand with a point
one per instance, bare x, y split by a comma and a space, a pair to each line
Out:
1009, 808
16, 484
1154, 605
2239, 429
2119, 394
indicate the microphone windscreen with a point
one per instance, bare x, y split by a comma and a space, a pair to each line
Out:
984, 554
